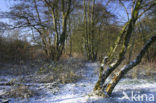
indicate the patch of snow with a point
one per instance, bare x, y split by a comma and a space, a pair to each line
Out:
79, 92
71, 92
2, 92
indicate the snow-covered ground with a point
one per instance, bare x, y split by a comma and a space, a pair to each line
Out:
79, 92
73, 92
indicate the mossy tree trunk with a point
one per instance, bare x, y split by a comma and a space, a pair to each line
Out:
109, 88
103, 88
60, 34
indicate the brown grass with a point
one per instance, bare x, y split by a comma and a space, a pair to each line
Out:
65, 71
143, 70
21, 91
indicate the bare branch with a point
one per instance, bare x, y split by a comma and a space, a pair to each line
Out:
152, 5
124, 8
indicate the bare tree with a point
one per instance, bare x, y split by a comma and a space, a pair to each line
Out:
95, 16
48, 19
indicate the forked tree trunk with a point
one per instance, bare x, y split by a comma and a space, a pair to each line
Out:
107, 89
60, 34
125, 35
104, 89
129, 66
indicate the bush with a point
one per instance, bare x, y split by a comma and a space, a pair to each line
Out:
13, 50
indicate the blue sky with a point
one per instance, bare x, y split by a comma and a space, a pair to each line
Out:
5, 4
118, 10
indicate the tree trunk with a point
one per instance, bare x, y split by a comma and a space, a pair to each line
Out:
129, 66
89, 30
60, 34
127, 31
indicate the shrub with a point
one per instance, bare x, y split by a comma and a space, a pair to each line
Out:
13, 50
21, 91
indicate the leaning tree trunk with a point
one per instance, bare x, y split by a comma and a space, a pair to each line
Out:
129, 66
126, 33
104, 89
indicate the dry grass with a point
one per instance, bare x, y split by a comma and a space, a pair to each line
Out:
69, 77
143, 70
21, 91
65, 71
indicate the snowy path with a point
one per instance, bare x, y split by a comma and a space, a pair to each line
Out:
73, 92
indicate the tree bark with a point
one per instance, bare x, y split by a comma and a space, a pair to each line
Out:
127, 32
129, 66
60, 36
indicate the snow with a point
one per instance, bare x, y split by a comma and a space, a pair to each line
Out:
136, 84
80, 92
73, 92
